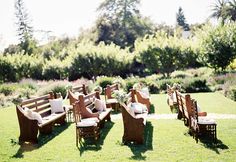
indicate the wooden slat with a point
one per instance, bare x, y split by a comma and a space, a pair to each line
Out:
43, 107
35, 99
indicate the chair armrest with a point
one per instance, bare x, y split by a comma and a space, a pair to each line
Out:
202, 113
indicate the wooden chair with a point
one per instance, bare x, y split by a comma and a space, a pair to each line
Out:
110, 101
202, 126
85, 128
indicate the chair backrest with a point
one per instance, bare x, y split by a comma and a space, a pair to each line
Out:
109, 90
86, 101
39, 104
184, 104
194, 109
82, 102
76, 112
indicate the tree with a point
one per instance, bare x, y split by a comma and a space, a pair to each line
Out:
218, 46
181, 21
224, 11
121, 23
24, 30
232, 10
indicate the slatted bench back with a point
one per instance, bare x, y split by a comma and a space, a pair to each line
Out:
109, 89
81, 89
40, 104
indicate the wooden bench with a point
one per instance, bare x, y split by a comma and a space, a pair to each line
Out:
134, 123
110, 101
85, 104
29, 127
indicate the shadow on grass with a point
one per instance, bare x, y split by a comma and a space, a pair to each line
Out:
42, 140
91, 144
138, 150
209, 143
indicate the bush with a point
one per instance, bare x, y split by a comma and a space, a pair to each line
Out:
231, 93
7, 70
91, 61
7, 89
192, 85
104, 81
55, 69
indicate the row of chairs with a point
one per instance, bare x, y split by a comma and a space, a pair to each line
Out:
82, 102
189, 110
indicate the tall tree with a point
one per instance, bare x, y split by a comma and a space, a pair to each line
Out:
120, 22
181, 20
232, 10
220, 10
24, 29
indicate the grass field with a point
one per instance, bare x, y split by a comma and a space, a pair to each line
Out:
165, 140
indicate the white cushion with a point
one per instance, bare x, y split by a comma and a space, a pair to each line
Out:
37, 117
56, 105
138, 107
28, 112
90, 119
33, 115
205, 120
145, 92
87, 123
99, 105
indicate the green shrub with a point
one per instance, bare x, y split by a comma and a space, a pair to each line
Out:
7, 89
7, 70
153, 87
55, 69
91, 61
180, 74
192, 85
103, 81
231, 93
162, 83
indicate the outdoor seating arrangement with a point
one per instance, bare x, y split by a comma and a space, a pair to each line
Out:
39, 114
198, 122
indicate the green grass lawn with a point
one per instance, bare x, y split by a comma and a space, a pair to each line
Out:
165, 140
